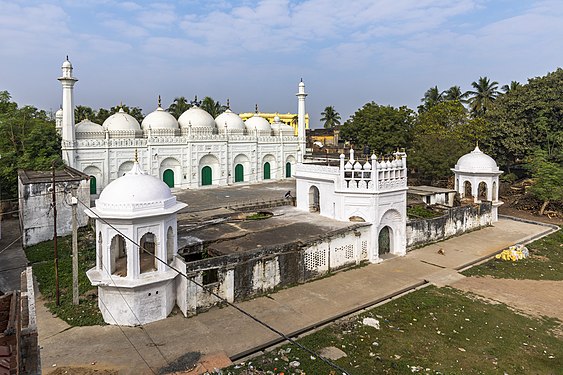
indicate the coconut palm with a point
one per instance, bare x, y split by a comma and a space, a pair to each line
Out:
513, 85
432, 96
179, 106
330, 117
455, 93
212, 107
483, 97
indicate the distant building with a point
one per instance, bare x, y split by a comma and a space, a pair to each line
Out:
323, 137
286, 118
433, 195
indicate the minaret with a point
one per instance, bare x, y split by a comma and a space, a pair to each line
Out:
68, 133
301, 119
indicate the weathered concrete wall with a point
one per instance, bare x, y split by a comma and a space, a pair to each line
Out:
456, 221
244, 275
36, 212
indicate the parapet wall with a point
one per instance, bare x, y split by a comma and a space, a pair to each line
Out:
454, 222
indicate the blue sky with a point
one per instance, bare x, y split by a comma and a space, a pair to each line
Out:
347, 52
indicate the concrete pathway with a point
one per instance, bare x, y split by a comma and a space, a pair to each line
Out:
290, 310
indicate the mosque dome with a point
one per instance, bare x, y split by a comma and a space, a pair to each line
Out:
281, 128
87, 126
67, 64
233, 121
259, 123
121, 121
59, 113
159, 119
476, 161
137, 194
197, 117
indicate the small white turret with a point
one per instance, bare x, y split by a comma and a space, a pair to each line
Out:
301, 118
68, 131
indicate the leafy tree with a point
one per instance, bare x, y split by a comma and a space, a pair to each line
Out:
442, 135
455, 93
513, 86
527, 118
179, 106
382, 128
28, 140
212, 107
548, 179
82, 112
330, 117
432, 96
101, 115
482, 98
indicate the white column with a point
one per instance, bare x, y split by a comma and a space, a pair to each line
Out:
68, 134
301, 119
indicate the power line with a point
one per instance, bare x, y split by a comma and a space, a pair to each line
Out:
264, 324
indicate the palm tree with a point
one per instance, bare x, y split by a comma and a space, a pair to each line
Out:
508, 88
483, 97
432, 96
455, 93
330, 117
212, 107
179, 106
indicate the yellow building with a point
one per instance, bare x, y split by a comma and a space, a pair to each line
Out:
287, 118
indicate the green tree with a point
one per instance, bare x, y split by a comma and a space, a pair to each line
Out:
179, 106
382, 128
82, 112
513, 86
548, 179
330, 117
482, 98
432, 96
212, 107
101, 115
455, 93
136, 112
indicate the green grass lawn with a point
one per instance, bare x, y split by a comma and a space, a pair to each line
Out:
544, 263
430, 331
41, 256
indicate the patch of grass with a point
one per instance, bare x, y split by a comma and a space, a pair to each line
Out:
421, 212
42, 258
259, 216
431, 331
544, 263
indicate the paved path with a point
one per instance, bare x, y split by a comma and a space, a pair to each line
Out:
12, 257
226, 330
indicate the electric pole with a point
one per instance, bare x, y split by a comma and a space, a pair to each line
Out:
74, 203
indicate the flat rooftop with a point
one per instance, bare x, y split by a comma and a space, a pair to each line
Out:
428, 190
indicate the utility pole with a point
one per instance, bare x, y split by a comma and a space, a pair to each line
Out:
57, 294
74, 203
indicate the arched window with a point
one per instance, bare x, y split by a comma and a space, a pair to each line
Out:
168, 177
314, 200
482, 191
169, 245
495, 191
206, 176
384, 240
147, 252
288, 169
118, 260
100, 251
239, 173
266, 171
93, 188
467, 190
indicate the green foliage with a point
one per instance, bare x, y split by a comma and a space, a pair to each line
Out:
548, 179
41, 256
382, 128
421, 212
179, 106
432, 96
330, 117
28, 140
82, 112
442, 135
544, 263
482, 98
212, 107
525, 118
440, 329
508, 177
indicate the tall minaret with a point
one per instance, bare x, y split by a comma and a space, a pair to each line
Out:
68, 134
301, 119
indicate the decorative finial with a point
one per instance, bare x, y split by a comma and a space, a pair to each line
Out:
301, 79
136, 156
228, 104
256, 108
66, 57
159, 102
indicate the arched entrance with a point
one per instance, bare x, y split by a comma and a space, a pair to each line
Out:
266, 171
467, 193
93, 188
147, 252
206, 176
384, 241
118, 260
239, 173
168, 177
288, 169
482, 191
314, 200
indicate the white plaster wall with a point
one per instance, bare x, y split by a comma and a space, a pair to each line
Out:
266, 275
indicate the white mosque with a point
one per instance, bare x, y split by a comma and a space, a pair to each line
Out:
194, 151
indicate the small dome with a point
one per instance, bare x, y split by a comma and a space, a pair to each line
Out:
87, 126
137, 194
121, 121
259, 123
476, 161
67, 64
159, 119
233, 121
59, 113
197, 117
281, 128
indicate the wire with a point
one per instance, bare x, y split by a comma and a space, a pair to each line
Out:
264, 324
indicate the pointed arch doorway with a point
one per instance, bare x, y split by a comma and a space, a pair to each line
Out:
239, 173
168, 177
206, 176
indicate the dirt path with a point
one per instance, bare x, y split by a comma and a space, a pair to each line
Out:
533, 297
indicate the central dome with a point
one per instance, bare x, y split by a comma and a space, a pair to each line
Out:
159, 119
87, 126
136, 194
197, 118
476, 161
121, 121
231, 119
259, 123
